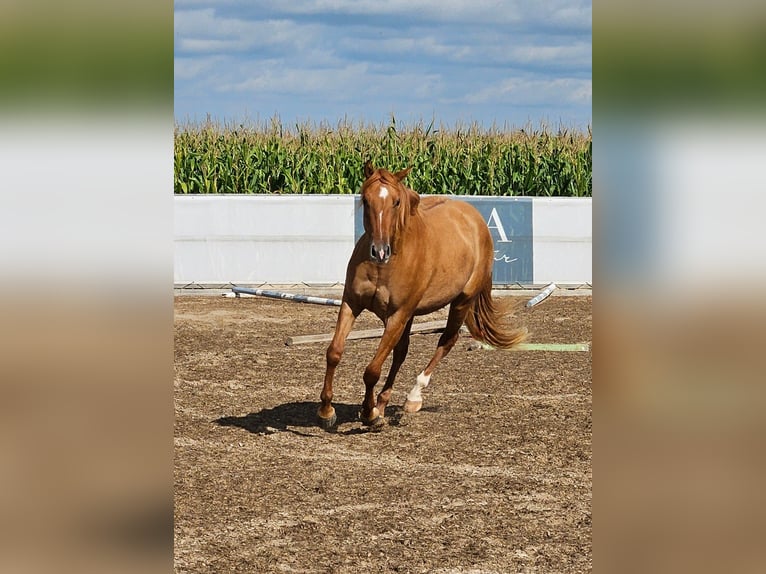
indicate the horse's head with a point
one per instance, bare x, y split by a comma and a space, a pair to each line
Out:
388, 205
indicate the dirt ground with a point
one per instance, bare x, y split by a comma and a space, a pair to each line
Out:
492, 476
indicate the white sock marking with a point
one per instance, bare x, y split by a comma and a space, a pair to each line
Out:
383, 192
414, 395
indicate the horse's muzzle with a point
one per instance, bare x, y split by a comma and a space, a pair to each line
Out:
380, 253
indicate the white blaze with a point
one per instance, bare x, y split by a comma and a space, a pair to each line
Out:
414, 395
383, 192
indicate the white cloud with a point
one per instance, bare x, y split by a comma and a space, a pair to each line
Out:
573, 55
520, 91
202, 31
273, 77
469, 57
352, 81
559, 13
207, 46
582, 93
579, 16
190, 68
399, 44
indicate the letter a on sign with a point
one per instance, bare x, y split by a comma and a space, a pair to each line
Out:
494, 217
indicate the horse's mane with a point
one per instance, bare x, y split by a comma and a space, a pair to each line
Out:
385, 176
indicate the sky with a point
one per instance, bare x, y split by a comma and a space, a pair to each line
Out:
511, 63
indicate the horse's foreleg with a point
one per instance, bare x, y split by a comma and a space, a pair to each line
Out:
400, 353
346, 318
447, 340
392, 334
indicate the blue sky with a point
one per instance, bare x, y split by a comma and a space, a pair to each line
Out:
457, 61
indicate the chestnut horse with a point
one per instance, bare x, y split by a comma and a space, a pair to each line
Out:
416, 256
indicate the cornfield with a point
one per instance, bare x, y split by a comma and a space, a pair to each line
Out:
323, 159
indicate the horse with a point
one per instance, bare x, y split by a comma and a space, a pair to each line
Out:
416, 256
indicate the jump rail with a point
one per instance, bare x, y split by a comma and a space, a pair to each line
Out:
288, 296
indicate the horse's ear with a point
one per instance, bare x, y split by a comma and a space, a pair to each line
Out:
400, 175
368, 169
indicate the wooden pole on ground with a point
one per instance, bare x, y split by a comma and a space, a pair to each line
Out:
436, 327
428, 327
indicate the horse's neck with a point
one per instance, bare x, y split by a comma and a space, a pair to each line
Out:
412, 231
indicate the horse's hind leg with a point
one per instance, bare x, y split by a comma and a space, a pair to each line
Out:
346, 318
400, 353
448, 339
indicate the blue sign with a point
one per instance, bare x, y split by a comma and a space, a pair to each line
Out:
509, 220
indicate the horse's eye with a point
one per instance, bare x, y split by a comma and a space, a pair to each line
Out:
396, 203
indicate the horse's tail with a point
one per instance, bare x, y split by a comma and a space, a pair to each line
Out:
487, 320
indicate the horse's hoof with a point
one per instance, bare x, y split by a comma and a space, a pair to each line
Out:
329, 422
412, 406
372, 418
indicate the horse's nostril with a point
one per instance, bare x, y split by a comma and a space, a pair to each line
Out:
380, 253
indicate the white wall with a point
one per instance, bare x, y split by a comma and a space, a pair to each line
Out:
262, 239
250, 239
562, 239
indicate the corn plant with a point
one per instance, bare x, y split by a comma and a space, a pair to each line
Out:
323, 159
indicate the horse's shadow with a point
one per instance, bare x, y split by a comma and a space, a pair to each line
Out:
292, 417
